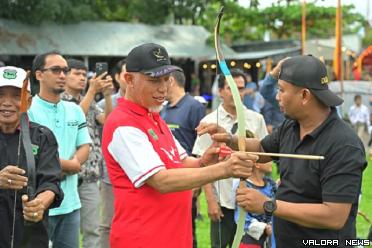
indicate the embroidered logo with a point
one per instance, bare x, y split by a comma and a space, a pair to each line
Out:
153, 134
10, 74
35, 149
171, 154
324, 80
158, 53
173, 126
73, 123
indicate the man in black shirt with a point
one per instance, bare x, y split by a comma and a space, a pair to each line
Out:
317, 200
14, 174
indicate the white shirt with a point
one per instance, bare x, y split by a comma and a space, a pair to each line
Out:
254, 122
359, 114
127, 146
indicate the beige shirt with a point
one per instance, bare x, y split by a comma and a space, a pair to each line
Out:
254, 122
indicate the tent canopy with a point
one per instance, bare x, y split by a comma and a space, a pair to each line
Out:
103, 39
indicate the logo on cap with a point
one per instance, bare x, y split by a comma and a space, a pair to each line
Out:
158, 55
10, 74
324, 80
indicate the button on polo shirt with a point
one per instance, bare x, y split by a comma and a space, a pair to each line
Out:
68, 124
337, 178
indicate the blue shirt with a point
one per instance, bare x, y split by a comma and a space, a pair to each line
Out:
268, 190
183, 118
272, 115
269, 89
114, 98
255, 100
68, 124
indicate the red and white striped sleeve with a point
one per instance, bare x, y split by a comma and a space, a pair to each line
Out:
133, 151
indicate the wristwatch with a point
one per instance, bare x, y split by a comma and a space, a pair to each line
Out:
269, 207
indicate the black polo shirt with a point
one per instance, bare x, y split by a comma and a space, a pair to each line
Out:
337, 178
48, 173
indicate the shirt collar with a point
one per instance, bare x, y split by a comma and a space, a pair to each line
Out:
183, 98
68, 97
46, 103
315, 133
224, 114
137, 109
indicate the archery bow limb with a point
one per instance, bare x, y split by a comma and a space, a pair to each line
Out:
26, 141
240, 116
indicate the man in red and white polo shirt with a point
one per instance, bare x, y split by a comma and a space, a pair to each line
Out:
150, 172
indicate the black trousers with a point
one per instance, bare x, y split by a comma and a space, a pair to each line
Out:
222, 234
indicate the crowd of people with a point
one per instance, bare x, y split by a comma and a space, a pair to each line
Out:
126, 171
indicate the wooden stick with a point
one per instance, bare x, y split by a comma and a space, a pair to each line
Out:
284, 155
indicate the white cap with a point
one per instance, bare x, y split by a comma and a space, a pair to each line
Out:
201, 100
12, 76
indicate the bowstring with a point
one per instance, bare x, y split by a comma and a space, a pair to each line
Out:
218, 181
15, 192
23, 108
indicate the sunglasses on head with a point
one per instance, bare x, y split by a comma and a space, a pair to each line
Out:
57, 70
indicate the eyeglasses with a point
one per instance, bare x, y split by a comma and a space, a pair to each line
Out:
57, 70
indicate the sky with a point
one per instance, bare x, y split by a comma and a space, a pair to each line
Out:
360, 5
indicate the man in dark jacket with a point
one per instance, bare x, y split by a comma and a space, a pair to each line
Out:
14, 173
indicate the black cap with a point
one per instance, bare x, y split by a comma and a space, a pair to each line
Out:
150, 59
309, 72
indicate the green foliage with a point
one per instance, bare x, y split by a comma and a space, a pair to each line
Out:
36, 11
367, 40
284, 22
150, 11
239, 23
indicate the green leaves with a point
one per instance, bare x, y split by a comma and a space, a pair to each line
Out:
241, 24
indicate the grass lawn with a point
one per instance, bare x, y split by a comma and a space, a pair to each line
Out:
202, 229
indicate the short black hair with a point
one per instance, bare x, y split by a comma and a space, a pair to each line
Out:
116, 71
76, 64
234, 73
118, 66
39, 61
179, 76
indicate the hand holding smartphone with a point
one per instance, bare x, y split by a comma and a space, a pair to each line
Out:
101, 67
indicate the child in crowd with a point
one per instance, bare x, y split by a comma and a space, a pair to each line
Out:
258, 229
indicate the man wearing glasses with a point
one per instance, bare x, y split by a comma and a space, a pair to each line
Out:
68, 123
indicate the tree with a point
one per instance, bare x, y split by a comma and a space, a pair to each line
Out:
282, 19
284, 22
36, 11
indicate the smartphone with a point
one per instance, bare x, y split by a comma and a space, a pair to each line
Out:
101, 67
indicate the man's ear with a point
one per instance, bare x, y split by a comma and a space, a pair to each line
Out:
129, 79
121, 76
38, 75
306, 95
